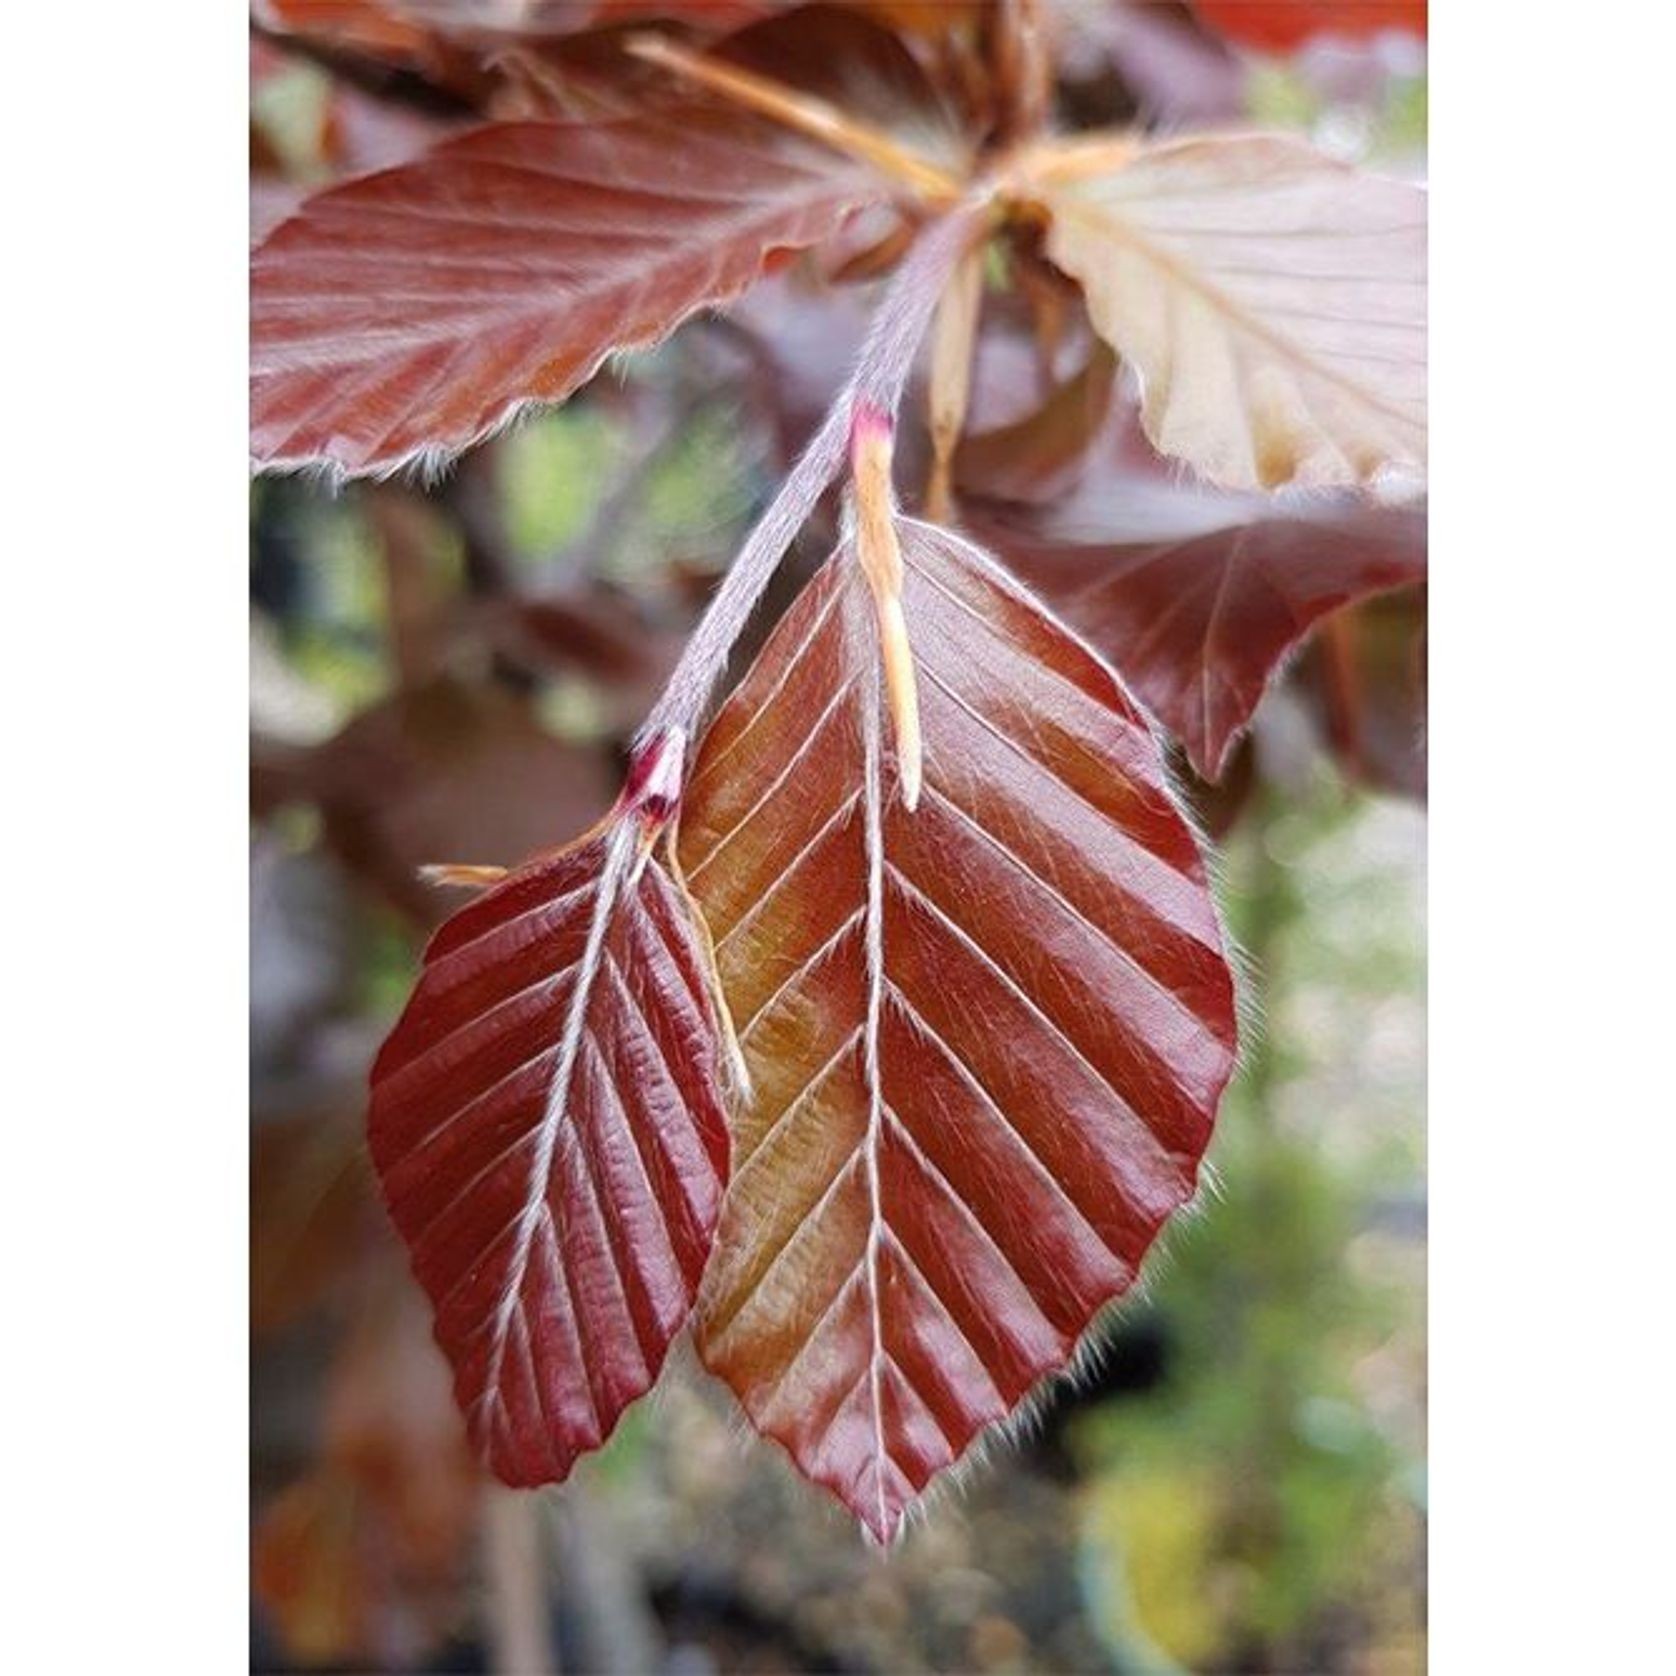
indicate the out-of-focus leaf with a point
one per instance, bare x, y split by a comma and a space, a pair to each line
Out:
310, 1204
408, 314
308, 125
1217, 804
308, 1572
1033, 458
384, 36
1174, 70
986, 1039
549, 1135
1365, 678
1271, 301
390, 1422
557, 17
451, 772
590, 630
1281, 25
850, 57
356, 1562
370, 26
490, 18
848, 54
1199, 597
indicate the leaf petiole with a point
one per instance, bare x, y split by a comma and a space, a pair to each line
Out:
879, 377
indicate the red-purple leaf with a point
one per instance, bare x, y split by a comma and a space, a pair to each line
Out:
1199, 597
548, 1131
408, 314
986, 1039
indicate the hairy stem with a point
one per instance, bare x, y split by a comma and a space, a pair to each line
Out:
876, 383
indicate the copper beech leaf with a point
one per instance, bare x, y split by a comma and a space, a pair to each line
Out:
549, 1134
1271, 301
404, 315
986, 1039
1198, 597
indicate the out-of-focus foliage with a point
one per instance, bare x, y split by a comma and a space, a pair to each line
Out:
1263, 1504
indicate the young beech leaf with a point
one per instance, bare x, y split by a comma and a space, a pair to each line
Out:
1271, 300
401, 316
1199, 597
986, 1039
549, 1134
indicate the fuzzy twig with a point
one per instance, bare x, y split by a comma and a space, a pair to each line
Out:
877, 382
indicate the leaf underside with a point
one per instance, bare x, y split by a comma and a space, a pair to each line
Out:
1271, 301
549, 1134
405, 315
986, 1040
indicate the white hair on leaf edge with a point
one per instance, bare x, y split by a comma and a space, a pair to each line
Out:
423, 467
429, 463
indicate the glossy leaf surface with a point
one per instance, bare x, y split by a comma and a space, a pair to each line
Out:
1271, 301
986, 1039
1198, 598
549, 1135
405, 315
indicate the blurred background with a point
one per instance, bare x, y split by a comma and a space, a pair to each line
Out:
1237, 1481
